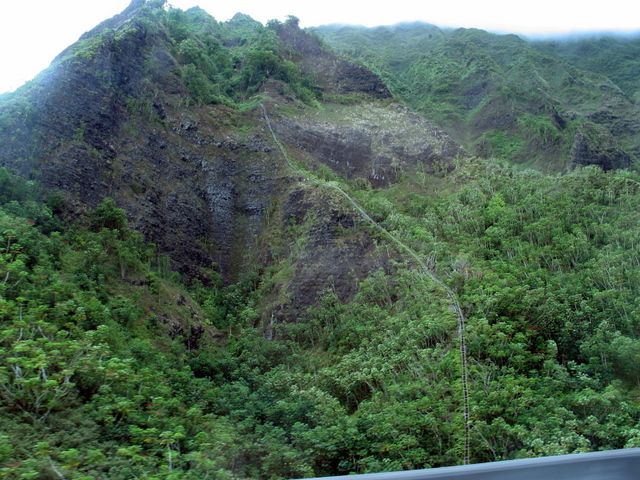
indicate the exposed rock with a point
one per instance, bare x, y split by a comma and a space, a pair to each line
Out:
329, 72
337, 252
110, 118
593, 145
94, 125
371, 141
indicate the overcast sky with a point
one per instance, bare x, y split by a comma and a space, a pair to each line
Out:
33, 32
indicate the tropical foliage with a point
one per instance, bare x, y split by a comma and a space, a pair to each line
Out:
546, 269
502, 95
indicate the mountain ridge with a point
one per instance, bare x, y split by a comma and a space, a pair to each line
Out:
540, 108
146, 133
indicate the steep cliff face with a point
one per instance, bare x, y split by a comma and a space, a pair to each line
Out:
594, 145
122, 114
376, 142
330, 74
107, 119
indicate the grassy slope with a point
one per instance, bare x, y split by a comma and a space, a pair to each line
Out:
616, 57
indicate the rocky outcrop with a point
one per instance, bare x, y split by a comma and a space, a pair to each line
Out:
108, 119
594, 145
331, 249
372, 141
328, 72
207, 184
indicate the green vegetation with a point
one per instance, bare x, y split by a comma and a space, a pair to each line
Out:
86, 385
218, 62
230, 62
112, 366
500, 95
615, 57
110, 369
